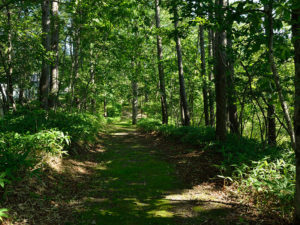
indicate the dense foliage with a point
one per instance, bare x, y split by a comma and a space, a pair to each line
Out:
204, 68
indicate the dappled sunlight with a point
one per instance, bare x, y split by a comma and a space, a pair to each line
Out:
198, 192
120, 134
122, 181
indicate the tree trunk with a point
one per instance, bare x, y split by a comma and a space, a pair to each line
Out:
296, 42
4, 100
104, 107
9, 72
210, 90
164, 106
134, 86
185, 115
271, 132
232, 108
203, 71
270, 37
55, 49
45, 75
220, 76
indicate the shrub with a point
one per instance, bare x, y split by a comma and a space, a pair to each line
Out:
18, 152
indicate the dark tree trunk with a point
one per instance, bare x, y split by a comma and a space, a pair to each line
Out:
134, 86
232, 108
296, 41
164, 106
203, 71
271, 125
185, 115
220, 76
210, 74
9, 72
45, 75
54, 47
104, 107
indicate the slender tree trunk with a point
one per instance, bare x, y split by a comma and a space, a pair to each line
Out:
220, 76
134, 86
232, 108
203, 70
296, 42
164, 106
271, 132
45, 75
104, 107
4, 100
270, 36
9, 72
55, 49
185, 115
210, 74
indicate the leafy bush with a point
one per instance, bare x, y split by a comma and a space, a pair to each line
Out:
79, 126
186, 135
19, 152
27, 136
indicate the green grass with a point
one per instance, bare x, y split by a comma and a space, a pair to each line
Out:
131, 184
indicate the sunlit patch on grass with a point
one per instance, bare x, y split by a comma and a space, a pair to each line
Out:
104, 212
120, 134
103, 165
161, 213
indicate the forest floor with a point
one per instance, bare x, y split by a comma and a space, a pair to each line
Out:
130, 178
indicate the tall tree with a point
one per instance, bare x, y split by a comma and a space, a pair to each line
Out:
270, 39
220, 78
55, 50
231, 95
185, 114
45, 74
9, 68
210, 74
164, 106
296, 41
134, 86
203, 71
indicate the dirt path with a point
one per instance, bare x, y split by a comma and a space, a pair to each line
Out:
126, 180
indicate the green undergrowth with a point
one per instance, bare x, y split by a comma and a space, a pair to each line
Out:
265, 173
28, 137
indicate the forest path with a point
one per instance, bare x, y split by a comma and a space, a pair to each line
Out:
129, 178
134, 183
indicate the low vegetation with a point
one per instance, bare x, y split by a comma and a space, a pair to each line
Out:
28, 137
265, 173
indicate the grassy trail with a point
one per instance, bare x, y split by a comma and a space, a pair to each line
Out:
134, 185
127, 179
129, 184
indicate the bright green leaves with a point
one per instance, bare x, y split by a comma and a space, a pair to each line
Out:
3, 214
